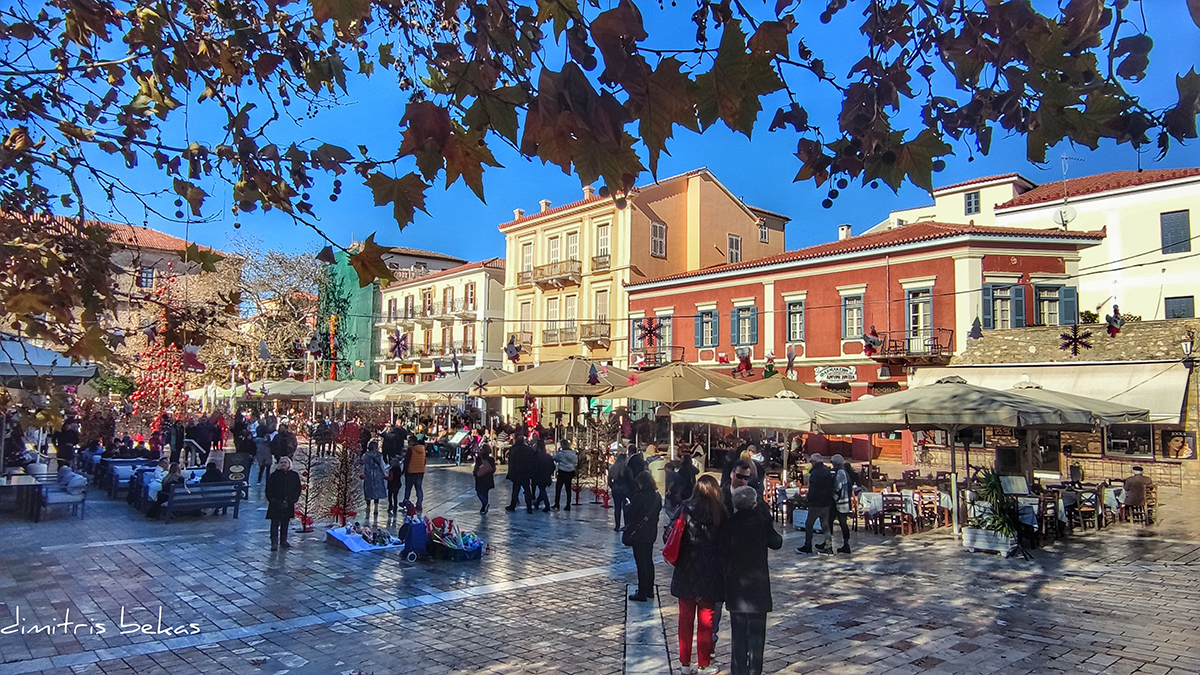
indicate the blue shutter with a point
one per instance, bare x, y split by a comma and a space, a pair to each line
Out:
987, 307
1176, 232
753, 325
733, 327
716, 327
1018, 306
844, 335
699, 320
908, 327
1068, 305
803, 318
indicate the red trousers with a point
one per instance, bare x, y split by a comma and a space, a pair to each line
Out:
688, 610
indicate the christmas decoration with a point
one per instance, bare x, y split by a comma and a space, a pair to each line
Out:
191, 359
480, 387
398, 345
344, 479
1074, 340
649, 332
745, 368
437, 370
871, 342
455, 362
791, 366
593, 376
632, 379
976, 331
1115, 321
511, 350
310, 490
769, 370
723, 358
314, 346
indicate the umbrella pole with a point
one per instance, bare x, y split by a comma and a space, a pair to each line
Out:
708, 445
953, 483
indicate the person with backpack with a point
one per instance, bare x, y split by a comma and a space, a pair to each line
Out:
698, 580
640, 532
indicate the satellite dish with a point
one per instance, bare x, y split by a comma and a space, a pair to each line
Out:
1064, 215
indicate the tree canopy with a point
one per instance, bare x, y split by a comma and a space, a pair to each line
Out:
208, 92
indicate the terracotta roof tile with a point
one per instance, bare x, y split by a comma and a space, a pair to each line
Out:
418, 252
983, 179
595, 198
490, 263
908, 234
1089, 185
126, 235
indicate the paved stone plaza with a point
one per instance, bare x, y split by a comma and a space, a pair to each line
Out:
550, 598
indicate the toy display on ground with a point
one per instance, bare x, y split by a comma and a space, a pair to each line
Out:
420, 537
357, 538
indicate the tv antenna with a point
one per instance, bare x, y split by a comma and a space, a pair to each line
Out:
1065, 213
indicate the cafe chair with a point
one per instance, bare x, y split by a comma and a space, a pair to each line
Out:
893, 516
1087, 511
1048, 527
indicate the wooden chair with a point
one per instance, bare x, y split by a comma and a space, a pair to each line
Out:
893, 515
1088, 510
928, 502
1048, 525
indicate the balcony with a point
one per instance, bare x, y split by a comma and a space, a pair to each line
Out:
652, 358
463, 309
568, 335
596, 334
550, 336
525, 278
524, 340
558, 274
926, 347
600, 262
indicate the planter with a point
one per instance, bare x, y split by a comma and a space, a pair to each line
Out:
988, 540
800, 516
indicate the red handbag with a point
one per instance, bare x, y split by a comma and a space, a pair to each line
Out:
674, 538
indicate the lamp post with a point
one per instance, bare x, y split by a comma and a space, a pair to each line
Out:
1189, 344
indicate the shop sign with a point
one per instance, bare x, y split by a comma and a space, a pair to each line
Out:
833, 374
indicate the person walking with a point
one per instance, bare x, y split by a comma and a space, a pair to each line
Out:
820, 503
566, 460
844, 482
640, 532
414, 471
543, 476
618, 487
395, 480
282, 493
284, 443
520, 472
485, 475
698, 580
374, 480
262, 452
744, 539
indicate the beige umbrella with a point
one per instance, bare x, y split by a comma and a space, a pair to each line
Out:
672, 391
772, 413
692, 373
391, 392
465, 383
568, 377
784, 388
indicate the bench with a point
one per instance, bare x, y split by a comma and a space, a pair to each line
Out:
109, 468
52, 494
217, 495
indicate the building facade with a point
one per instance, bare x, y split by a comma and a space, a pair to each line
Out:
568, 266
457, 313
1143, 265
917, 287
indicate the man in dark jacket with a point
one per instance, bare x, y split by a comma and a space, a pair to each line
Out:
204, 434
520, 472
745, 538
284, 443
742, 473
640, 532
543, 476
820, 503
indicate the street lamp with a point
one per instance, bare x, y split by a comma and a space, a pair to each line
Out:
1188, 343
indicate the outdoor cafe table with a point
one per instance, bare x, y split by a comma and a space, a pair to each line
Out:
872, 502
23, 487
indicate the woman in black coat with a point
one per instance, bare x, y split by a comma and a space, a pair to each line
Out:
282, 493
745, 538
485, 475
641, 529
698, 580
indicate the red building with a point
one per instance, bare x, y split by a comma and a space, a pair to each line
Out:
920, 287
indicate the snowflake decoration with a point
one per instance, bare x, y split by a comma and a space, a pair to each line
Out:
1075, 340
649, 331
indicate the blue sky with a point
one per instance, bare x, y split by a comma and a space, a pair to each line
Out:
759, 170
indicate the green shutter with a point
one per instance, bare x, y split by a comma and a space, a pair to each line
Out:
699, 321
733, 327
1018, 306
753, 325
987, 307
1068, 305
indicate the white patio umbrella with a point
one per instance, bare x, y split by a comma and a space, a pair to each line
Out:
794, 414
950, 404
672, 390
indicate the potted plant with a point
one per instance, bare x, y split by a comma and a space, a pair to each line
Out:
995, 528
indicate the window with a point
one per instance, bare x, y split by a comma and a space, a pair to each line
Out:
391, 315
734, 252
1176, 232
426, 339
764, 232
468, 343
658, 240
602, 240
552, 313
427, 301
555, 249
920, 319
707, 328
572, 308
526, 317
573, 246
971, 203
666, 321
527, 257
1002, 307
145, 278
744, 328
601, 306
1047, 306
410, 303
448, 298
795, 321
636, 344
852, 317
1180, 308
469, 296
447, 338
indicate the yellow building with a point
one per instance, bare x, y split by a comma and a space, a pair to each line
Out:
443, 315
564, 290
1145, 263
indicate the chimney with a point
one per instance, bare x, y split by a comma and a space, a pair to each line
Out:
588, 192
518, 214
545, 204
843, 232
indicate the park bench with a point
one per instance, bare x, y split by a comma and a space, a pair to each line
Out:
218, 495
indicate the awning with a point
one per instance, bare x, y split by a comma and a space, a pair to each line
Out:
1159, 386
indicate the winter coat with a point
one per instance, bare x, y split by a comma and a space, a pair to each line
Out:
262, 450
203, 434
820, 486
487, 480
374, 482
415, 462
641, 518
284, 444
212, 475
543, 470
282, 493
698, 573
520, 463
745, 538
566, 460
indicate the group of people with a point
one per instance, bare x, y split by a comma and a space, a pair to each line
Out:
532, 470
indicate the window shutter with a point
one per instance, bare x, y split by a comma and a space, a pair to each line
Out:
1018, 306
844, 336
987, 307
1176, 232
754, 325
1068, 305
733, 327
716, 327
699, 329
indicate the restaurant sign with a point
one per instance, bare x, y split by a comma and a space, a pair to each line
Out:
836, 373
